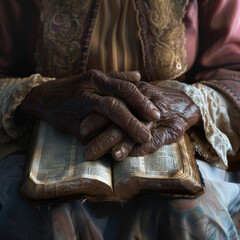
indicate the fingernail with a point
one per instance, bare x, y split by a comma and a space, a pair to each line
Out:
145, 136
155, 115
138, 74
118, 154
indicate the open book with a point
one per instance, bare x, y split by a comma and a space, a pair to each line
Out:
57, 169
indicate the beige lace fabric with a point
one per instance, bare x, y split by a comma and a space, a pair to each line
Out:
216, 122
12, 93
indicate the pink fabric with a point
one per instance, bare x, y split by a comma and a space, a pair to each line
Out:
192, 33
220, 20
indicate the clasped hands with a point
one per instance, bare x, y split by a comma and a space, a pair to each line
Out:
113, 112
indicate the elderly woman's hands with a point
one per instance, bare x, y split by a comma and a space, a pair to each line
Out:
64, 103
177, 114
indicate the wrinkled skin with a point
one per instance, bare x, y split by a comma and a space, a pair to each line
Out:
177, 114
114, 112
64, 103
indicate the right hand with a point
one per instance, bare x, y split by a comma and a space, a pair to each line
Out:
64, 103
177, 114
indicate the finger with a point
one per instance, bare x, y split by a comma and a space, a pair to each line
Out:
103, 142
150, 147
131, 76
129, 93
160, 136
117, 112
123, 148
145, 88
72, 126
92, 123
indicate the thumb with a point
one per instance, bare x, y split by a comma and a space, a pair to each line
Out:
130, 76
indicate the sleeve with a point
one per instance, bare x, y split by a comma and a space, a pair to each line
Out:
18, 34
12, 93
220, 44
216, 113
219, 23
216, 74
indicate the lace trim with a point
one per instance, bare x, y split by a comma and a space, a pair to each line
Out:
168, 45
204, 149
12, 93
201, 94
63, 25
228, 89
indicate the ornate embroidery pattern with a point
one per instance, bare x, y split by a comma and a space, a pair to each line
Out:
63, 25
168, 44
61, 49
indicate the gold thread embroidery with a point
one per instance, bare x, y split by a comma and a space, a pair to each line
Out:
168, 47
63, 23
59, 49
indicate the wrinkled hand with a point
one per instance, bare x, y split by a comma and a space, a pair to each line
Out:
64, 103
177, 114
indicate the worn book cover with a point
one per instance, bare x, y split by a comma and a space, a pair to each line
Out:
56, 169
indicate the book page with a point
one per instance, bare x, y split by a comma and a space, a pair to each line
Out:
164, 163
59, 157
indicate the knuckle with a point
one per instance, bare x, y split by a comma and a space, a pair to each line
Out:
124, 89
96, 76
176, 133
106, 139
110, 137
142, 86
132, 90
118, 86
131, 86
109, 104
93, 73
178, 126
137, 131
145, 103
123, 86
132, 123
95, 148
128, 143
157, 140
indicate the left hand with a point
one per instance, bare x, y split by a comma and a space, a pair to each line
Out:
177, 114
